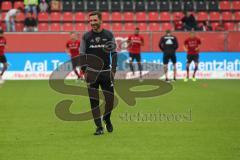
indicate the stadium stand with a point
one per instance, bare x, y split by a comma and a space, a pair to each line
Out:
117, 26
6, 5
79, 6
68, 27
80, 27
201, 5
152, 15
128, 5
213, 5
106, 16
103, 5
106, 26
154, 27
141, 16
177, 5
115, 5
188, 5
142, 26
202, 16
152, 5
92, 5
129, 16
164, 5
140, 5
67, 6
43, 27
18, 4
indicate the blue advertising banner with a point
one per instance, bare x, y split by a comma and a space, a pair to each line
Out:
219, 63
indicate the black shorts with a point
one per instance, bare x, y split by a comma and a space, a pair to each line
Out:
3, 59
167, 57
135, 56
193, 57
75, 61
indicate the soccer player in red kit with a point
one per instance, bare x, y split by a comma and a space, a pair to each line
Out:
72, 48
191, 45
135, 42
3, 58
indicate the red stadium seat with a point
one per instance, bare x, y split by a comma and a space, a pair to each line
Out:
6, 5
167, 26
165, 16
20, 17
236, 5
153, 16
227, 16
68, 27
202, 16
55, 16
117, 26
154, 27
142, 26
3, 16
19, 27
229, 26
129, 27
214, 25
81, 27
225, 5
128, 16
106, 26
116, 16
67, 16
43, 17
214, 16
3, 26
141, 16
18, 4
105, 16
43, 27
237, 16
177, 15
238, 26
55, 27
89, 27
80, 17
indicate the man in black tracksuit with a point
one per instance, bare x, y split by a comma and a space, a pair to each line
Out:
100, 43
169, 44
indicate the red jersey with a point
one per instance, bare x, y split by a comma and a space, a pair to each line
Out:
135, 42
73, 46
3, 42
192, 45
178, 25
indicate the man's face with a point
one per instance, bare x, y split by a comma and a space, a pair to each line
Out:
74, 36
136, 31
95, 22
192, 34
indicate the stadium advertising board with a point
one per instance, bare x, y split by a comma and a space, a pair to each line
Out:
213, 65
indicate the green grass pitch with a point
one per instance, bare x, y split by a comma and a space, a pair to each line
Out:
30, 130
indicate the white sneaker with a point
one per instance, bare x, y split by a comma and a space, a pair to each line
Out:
140, 79
185, 80
1, 80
